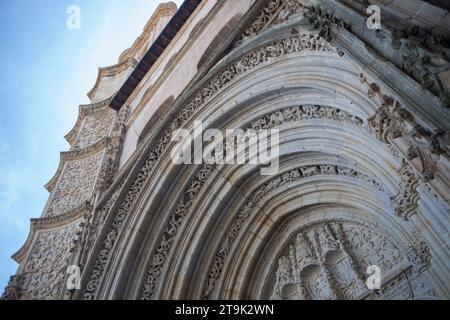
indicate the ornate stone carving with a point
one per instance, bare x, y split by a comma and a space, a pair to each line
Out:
405, 200
392, 121
298, 43
47, 263
297, 113
424, 56
326, 24
419, 254
389, 122
76, 185
98, 218
328, 261
13, 289
279, 11
275, 12
95, 127
252, 204
121, 119
408, 285
170, 232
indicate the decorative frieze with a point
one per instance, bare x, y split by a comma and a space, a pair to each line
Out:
46, 266
306, 112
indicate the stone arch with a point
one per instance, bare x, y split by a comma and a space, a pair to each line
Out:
193, 217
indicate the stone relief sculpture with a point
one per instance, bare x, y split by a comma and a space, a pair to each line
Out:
329, 261
424, 57
46, 267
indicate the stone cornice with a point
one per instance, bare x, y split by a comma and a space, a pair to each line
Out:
84, 110
76, 155
155, 51
49, 223
163, 10
111, 71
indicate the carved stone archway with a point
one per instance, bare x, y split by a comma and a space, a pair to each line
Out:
195, 239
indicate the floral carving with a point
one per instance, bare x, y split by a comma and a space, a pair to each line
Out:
305, 112
76, 184
45, 269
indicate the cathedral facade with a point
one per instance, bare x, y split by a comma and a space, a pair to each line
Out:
358, 209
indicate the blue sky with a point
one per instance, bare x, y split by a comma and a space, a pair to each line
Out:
46, 71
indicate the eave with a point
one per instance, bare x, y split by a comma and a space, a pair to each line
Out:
156, 49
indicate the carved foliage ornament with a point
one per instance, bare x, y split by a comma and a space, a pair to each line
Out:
392, 121
279, 11
425, 56
275, 12
44, 272
271, 120
298, 113
153, 274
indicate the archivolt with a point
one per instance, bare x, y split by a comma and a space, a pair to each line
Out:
277, 77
